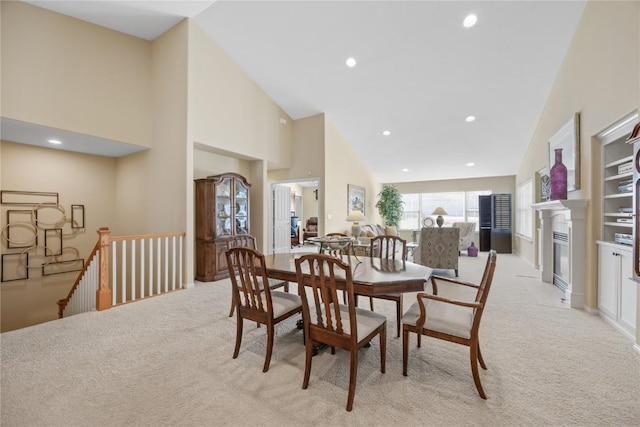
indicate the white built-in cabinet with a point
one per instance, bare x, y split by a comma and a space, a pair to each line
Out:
617, 291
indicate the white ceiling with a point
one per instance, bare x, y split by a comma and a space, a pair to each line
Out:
419, 72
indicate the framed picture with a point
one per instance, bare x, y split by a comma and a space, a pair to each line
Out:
544, 184
355, 199
567, 138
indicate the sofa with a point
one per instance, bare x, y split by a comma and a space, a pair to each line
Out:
367, 231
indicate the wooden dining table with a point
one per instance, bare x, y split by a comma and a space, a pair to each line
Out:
370, 276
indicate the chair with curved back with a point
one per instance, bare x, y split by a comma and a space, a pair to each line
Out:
467, 233
310, 229
337, 325
455, 320
248, 241
253, 300
390, 249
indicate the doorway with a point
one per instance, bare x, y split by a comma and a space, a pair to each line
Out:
303, 202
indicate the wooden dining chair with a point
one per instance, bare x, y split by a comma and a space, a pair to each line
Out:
253, 300
390, 249
248, 241
453, 320
328, 322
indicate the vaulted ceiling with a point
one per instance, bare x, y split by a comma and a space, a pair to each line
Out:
419, 72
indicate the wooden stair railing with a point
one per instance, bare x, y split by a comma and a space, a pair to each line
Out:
125, 268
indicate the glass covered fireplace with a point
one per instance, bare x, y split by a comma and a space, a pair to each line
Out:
561, 272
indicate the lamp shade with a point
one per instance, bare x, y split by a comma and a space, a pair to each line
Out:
439, 211
355, 216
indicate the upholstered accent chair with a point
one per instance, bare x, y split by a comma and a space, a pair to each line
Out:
310, 229
467, 233
438, 248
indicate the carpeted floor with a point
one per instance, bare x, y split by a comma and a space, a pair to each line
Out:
166, 361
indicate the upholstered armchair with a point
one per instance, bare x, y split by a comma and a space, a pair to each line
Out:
467, 233
438, 248
310, 229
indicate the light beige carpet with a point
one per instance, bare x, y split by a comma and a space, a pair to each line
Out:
167, 361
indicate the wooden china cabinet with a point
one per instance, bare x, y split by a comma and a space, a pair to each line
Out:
222, 211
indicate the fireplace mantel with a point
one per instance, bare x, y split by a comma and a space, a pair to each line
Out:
556, 205
574, 210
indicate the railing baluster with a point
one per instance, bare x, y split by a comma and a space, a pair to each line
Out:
123, 274
173, 264
179, 262
158, 276
142, 267
114, 271
133, 270
151, 266
166, 264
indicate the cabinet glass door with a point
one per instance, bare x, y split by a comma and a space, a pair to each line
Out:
223, 208
241, 208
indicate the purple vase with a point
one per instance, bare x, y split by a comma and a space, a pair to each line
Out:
558, 178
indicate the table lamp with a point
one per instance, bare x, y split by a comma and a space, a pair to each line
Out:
439, 211
356, 217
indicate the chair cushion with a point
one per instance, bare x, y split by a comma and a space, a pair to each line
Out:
284, 302
367, 321
442, 317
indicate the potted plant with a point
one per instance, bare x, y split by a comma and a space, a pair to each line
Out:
390, 205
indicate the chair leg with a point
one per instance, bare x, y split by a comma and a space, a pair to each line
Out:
371, 303
383, 349
456, 270
286, 286
405, 350
480, 359
419, 339
307, 363
473, 351
267, 358
353, 372
233, 307
238, 337
398, 315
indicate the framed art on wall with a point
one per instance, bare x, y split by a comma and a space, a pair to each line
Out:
355, 199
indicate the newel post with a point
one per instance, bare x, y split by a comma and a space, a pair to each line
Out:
103, 294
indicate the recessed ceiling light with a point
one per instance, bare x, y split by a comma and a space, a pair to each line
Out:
405, 170
470, 164
470, 118
386, 133
54, 141
470, 21
351, 62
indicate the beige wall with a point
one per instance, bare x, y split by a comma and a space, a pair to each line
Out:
78, 179
343, 167
228, 110
68, 74
599, 78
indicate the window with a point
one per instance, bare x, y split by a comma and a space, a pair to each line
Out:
411, 213
524, 214
461, 206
